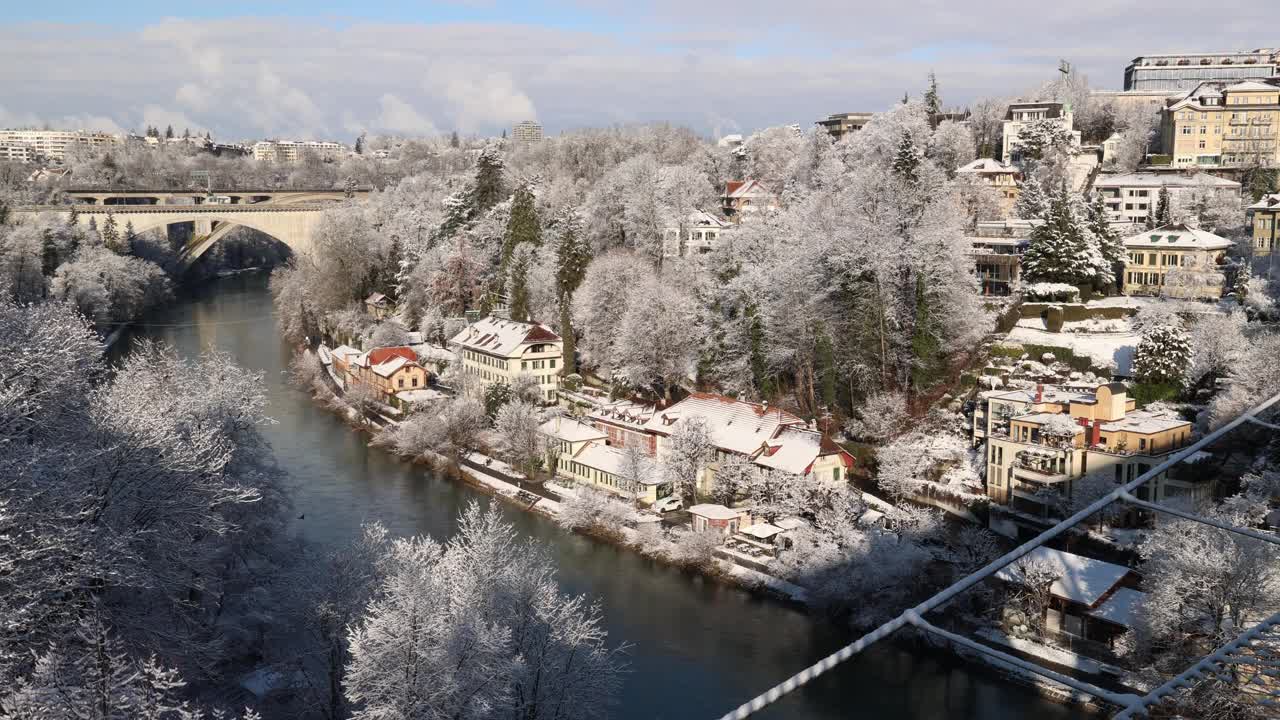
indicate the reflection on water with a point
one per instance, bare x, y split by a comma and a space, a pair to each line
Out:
699, 648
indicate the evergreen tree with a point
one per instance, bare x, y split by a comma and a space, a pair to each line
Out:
488, 189
907, 159
906, 98
518, 283
573, 254
824, 369
523, 225
932, 103
569, 350
1110, 244
1033, 202
761, 378
1163, 356
926, 349
1260, 181
126, 242
360, 144
168, 133
457, 211
111, 234
1163, 214
454, 140
1238, 277
186, 133
1062, 249
51, 258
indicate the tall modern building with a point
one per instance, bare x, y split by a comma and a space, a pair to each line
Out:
527, 131
841, 124
52, 144
1183, 72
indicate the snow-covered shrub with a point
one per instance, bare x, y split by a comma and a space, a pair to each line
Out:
1163, 356
594, 510
1051, 292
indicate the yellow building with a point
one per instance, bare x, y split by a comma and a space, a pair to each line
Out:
1266, 224
1004, 178
1043, 443
1175, 261
601, 466
1217, 126
496, 350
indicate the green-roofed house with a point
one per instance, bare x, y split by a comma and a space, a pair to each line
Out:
1176, 261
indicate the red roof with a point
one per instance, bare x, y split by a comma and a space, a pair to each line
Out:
377, 356
732, 185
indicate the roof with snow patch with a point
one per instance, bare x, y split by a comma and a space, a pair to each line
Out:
1178, 237
1081, 579
733, 425
502, 337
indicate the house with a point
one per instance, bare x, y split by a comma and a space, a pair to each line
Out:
601, 466
1090, 599
495, 349
1132, 197
1021, 114
378, 305
1004, 178
389, 369
565, 436
998, 262
699, 234
715, 518
1176, 261
624, 422
1216, 124
806, 453
1042, 443
1266, 224
742, 200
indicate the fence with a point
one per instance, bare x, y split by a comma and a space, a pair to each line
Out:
1238, 652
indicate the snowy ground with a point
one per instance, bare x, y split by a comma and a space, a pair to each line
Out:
1110, 350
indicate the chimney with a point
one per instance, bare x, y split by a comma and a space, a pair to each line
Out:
1039, 392
1095, 433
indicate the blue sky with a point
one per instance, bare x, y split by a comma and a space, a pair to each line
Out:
333, 69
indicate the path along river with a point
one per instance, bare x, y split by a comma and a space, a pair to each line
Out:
700, 648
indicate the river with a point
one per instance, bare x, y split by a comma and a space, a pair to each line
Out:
699, 648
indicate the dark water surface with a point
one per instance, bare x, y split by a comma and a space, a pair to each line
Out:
700, 648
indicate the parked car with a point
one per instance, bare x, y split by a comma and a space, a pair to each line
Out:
667, 504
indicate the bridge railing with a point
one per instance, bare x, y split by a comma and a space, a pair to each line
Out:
1242, 650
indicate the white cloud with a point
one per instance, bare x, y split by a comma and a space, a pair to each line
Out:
400, 118
160, 117
477, 99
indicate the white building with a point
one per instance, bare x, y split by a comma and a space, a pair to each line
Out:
291, 151
1020, 114
699, 235
497, 350
1132, 197
53, 144
527, 131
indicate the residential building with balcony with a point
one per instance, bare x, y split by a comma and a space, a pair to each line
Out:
1176, 261
1131, 197
1004, 178
699, 234
1265, 223
1042, 443
292, 151
743, 200
1219, 125
527, 131
841, 124
496, 349
1184, 71
54, 144
1020, 114
998, 263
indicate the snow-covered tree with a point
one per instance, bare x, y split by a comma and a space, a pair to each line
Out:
1217, 342
1033, 201
1063, 249
952, 146
519, 442
657, 309
735, 476
1041, 139
1110, 244
594, 510
1163, 356
477, 627
601, 303
689, 451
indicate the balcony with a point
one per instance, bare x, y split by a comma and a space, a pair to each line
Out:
1038, 478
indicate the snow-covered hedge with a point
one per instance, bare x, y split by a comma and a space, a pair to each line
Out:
1051, 291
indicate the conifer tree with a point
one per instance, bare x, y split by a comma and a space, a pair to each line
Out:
168, 133
824, 368
111, 234
1238, 278
569, 350
1163, 214
518, 283
926, 350
1110, 244
1033, 202
907, 159
1163, 356
573, 254
523, 225
360, 144
932, 103
761, 378
1062, 249
489, 187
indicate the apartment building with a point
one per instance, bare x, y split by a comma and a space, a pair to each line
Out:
1042, 443
16, 153
1004, 178
53, 144
1020, 114
1266, 224
743, 200
527, 131
1217, 125
1175, 261
1131, 197
496, 349
841, 124
292, 151
1185, 71
698, 235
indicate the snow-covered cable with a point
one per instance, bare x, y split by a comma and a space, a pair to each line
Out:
947, 594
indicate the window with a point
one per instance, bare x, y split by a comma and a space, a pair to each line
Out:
835, 474
1202, 145
400, 382
1186, 129
1204, 129
1142, 444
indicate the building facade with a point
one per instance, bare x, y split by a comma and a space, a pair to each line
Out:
1004, 178
1044, 444
741, 201
1217, 125
1131, 197
1183, 72
841, 124
292, 151
496, 350
1176, 261
1266, 224
1020, 114
54, 144
698, 235
527, 131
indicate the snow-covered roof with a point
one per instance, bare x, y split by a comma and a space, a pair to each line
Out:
794, 449
791, 523
388, 368
987, 166
345, 353
570, 430
624, 413
735, 189
1039, 418
713, 512
604, 458
376, 299
764, 531
1145, 423
733, 425
1080, 579
1121, 608
1048, 394
702, 218
1155, 180
323, 353
1178, 237
1268, 202
1250, 86
502, 337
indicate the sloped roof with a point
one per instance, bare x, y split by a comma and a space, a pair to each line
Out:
376, 299
984, 166
1251, 86
734, 425
1268, 202
377, 356
388, 368
739, 189
499, 336
570, 430
1121, 608
701, 218
794, 449
1178, 237
713, 512
345, 353
1155, 180
1081, 579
